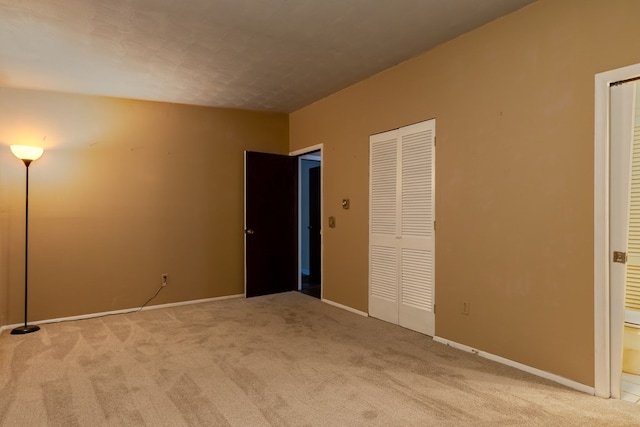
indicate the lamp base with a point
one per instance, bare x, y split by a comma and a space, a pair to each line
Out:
21, 330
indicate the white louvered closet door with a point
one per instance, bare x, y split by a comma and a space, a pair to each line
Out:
632, 291
401, 235
383, 226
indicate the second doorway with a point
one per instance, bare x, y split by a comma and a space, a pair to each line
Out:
310, 224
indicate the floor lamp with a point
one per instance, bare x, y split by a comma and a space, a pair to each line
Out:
27, 154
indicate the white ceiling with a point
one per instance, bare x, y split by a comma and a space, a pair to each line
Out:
274, 55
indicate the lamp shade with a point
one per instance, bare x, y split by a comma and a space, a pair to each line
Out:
27, 152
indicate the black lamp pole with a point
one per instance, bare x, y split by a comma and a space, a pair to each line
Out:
26, 329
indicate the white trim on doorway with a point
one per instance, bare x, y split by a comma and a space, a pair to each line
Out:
311, 149
604, 349
301, 154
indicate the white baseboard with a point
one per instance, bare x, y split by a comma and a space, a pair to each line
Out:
547, 375
345, 307
124, 311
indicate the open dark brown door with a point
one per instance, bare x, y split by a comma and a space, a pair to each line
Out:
271, 222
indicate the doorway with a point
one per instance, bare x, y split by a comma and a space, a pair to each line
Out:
310, 220
310, 224
610, 234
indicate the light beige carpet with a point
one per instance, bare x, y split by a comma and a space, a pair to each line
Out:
285, 359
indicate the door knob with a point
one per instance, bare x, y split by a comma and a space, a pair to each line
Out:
248, 231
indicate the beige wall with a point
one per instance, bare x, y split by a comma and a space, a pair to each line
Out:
513, 103
126, 190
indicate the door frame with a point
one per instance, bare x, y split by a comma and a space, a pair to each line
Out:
607, 341
300, 154
301, 191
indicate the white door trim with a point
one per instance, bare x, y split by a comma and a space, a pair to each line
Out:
602, 286
306, 150
300, 154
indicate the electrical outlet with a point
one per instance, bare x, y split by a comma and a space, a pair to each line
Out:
165, 278
466, 307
